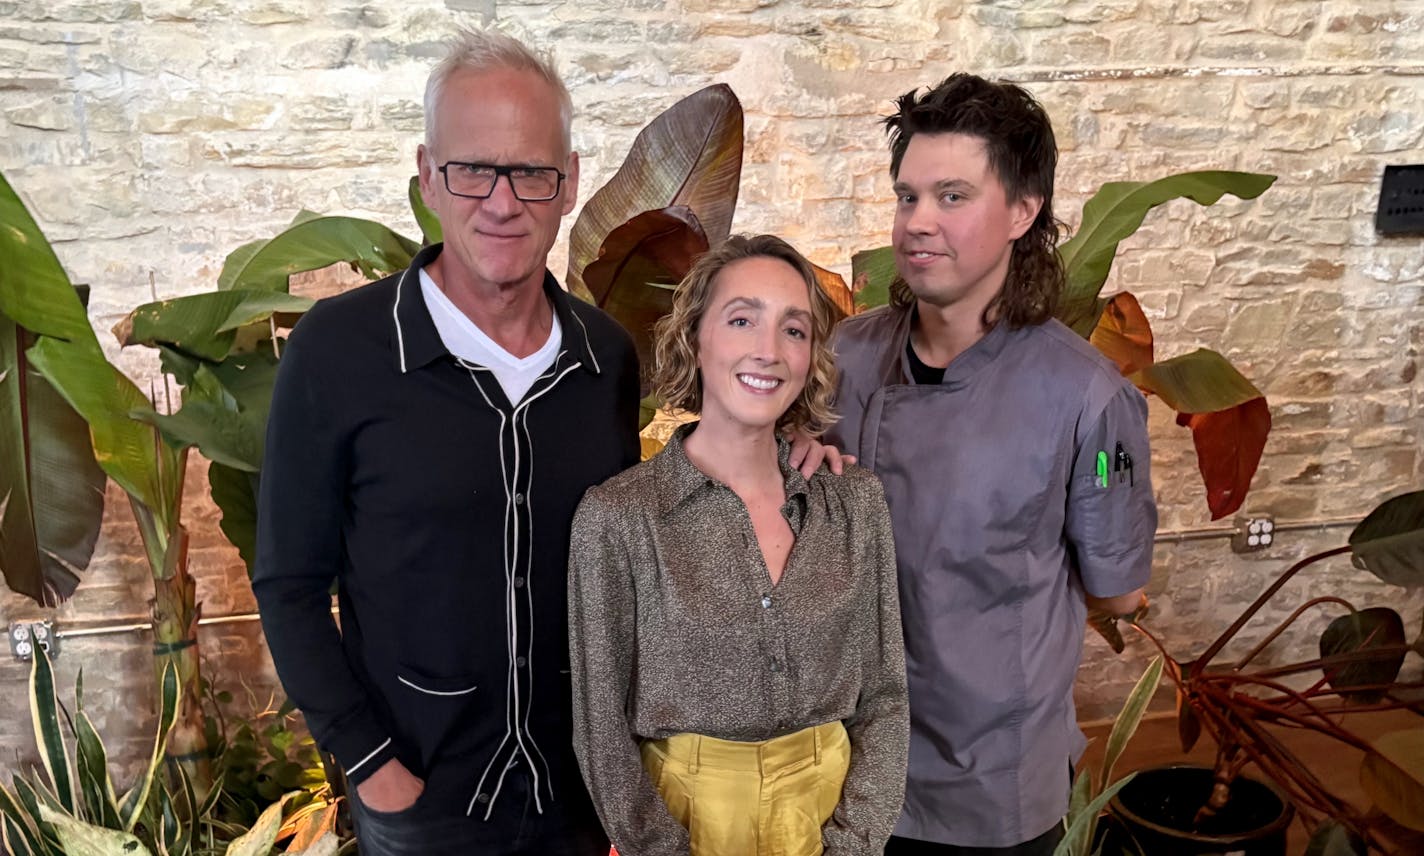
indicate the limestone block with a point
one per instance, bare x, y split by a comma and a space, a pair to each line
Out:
321, 113
55, 113
321, 52
72, 11
293, 152
367, 15
270, 12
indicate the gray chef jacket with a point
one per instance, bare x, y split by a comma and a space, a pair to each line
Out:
1002, 520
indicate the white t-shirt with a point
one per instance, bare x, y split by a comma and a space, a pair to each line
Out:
467, 341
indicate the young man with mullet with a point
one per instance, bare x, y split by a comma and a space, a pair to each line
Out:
989, 423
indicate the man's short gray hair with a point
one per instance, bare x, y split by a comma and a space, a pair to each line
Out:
487, 50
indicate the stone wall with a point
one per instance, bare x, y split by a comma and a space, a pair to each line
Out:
152, 137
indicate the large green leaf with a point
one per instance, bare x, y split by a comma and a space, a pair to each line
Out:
85, 839
1389, 542
425, 218
1392, 774
371, 247
235, 494
129, 451
34, 290
871, 274
1115, 212
1228, 416
690, 155
51, 488
1378, 629
206, 325
639, 266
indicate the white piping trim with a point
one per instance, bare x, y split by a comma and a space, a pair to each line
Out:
419, 688
374, 753
587, 343
395, 316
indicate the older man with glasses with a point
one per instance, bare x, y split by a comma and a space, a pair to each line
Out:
430, 437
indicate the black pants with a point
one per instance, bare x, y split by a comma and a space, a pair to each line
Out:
521, 832
1041, 846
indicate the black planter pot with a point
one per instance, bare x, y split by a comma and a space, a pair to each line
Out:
1157, 807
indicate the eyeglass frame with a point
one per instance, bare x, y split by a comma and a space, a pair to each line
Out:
506, 172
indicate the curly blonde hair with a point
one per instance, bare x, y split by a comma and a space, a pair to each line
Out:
676, 377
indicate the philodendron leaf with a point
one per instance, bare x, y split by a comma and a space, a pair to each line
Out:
205, 325
1123, 334
1228, 416
1115, 212
1368, 630
871, 274
1389, 542
690, 155
1332, 838
639, 265
426, 219
1393, 776
369, 246
84, 839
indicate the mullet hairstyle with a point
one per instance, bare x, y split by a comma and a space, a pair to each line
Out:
1018, 139
488, 50
676, 376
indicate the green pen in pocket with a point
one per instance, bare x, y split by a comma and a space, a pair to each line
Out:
1102, 468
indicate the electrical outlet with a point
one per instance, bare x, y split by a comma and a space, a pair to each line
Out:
1253, 533
25, 635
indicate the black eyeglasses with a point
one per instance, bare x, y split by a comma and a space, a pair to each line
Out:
477, 180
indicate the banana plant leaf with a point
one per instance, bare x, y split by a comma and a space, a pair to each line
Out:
1392, 774
871, 273
690, 155
224, 411
368, 246
1228, 416
834, 285
1123, 334
639, 266
1370, 629
51, 488
429, 223
1114, 213
238, 258
206, 325
1389, 542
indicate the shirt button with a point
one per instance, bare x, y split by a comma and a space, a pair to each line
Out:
775, 664
519, 499
520, 661
519, 582
766, 601
483, 798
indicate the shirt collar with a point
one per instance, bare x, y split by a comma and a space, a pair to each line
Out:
418, 343
960, 370
676, 478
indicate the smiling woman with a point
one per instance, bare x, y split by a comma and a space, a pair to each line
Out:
734, 627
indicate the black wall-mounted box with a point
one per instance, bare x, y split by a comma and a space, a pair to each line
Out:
1401, 200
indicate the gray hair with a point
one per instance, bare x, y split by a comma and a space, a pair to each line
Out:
487, 50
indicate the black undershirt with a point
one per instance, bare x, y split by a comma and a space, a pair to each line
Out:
919, 371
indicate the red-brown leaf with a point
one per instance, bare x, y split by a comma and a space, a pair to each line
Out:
1123, 334
1229, 445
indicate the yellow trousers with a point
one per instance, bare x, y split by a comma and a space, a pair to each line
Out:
769, 798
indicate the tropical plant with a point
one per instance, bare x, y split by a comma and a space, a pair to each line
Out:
74, 808
1227, 414
51, 488
1091, 793
65, 351
1358, 671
